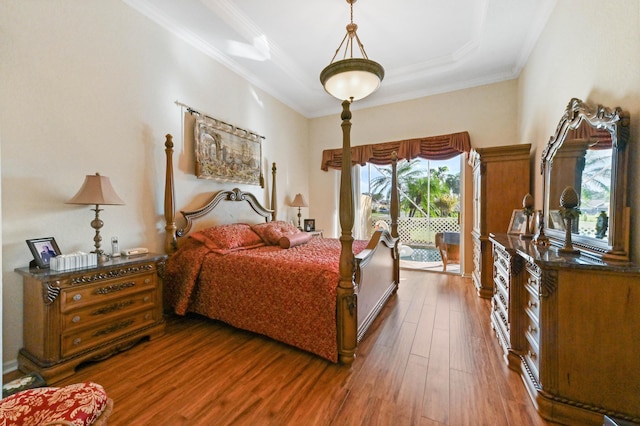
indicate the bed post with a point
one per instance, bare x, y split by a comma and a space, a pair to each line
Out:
346, 297
395, 212
274, 198
170, 242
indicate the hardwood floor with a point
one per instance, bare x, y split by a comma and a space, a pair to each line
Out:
431, 359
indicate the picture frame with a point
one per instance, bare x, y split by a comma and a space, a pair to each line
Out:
555, 220
309, 225
43, 249
518, 223
227, 153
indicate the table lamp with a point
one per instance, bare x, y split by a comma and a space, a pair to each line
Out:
97, 190
299, 202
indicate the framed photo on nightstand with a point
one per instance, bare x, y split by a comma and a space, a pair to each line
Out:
309, 225
43, 249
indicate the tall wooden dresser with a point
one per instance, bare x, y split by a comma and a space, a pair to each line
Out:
568, 323
88, 314
501, 179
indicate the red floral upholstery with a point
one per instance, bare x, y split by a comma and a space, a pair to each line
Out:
79, 404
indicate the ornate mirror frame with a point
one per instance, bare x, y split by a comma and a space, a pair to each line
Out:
617, 124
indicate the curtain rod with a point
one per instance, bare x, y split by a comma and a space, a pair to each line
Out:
193, 111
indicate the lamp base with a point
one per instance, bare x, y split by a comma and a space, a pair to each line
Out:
102, 256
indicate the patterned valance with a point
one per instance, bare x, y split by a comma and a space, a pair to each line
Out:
441, 147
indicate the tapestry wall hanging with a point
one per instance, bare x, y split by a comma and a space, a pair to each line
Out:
227, 153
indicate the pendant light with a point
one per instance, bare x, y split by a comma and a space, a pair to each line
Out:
351, 78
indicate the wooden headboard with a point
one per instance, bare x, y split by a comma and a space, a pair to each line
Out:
244, 208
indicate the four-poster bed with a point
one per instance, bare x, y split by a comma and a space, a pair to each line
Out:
275, 291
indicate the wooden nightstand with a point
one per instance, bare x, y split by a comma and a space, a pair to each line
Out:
88, 314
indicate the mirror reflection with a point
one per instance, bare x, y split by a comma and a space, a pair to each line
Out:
584, 162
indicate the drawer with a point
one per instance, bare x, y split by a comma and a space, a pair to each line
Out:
502, 261
502, 282
500, 300
532, 356
103, 312
501, 314
532, 307
81, 296
75, 342
532, 328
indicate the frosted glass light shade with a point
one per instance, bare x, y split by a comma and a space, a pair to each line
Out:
352, 79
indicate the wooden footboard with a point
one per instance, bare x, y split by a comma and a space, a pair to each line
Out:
376, 278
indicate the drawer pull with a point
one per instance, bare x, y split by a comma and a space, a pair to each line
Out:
532, 304
115, 327
77, 341
147, 280
76, 319
112, 308
146, 299
532, 329
147, 316
77, 297
115, 287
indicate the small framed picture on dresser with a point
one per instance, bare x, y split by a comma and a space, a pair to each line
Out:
309, 225
43, 249
518, 223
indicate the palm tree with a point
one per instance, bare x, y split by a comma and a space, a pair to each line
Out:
406, 174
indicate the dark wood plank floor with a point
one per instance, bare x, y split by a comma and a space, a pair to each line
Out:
430, 359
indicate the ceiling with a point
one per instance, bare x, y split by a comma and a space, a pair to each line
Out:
426, 46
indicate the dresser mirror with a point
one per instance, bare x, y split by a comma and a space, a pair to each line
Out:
588, 152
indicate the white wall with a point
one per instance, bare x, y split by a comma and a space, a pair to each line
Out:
89, 86
589, 50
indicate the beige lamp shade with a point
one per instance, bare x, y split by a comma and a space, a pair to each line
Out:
299, 201
98, 190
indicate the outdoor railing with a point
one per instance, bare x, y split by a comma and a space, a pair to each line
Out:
421, 231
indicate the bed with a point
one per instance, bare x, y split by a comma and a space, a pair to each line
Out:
319, 295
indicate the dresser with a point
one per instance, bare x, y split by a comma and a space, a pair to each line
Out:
501, 179
568, 324
81, 315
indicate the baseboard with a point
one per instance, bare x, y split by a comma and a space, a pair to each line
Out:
10, 366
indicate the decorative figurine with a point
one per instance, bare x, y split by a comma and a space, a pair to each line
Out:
527, 204
569, 212
602, 224
540, 238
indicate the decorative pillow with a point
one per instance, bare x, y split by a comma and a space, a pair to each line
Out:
78, 404
271, 232
294, 240
224, 239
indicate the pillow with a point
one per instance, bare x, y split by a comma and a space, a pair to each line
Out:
227, 238
294, 240
271, 232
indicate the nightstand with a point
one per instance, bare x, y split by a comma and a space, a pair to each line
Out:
88, 314
316, 233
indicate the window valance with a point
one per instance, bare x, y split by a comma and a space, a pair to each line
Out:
441, 147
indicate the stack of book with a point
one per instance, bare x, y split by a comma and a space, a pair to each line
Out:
63, 262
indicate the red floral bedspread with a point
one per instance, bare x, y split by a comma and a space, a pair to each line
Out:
286, 294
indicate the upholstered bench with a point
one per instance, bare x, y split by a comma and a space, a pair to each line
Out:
81, 404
